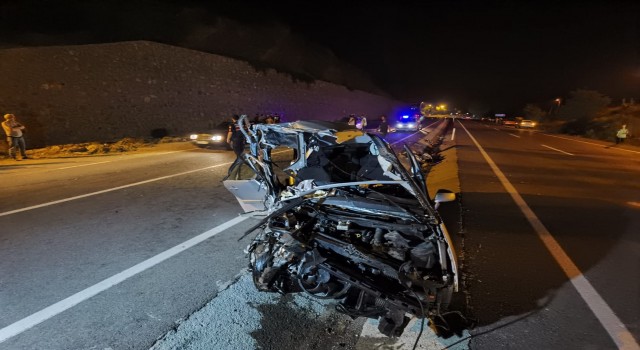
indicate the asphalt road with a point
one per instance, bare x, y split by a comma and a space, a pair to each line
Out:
551, 233
114, 252
141, 250
70, 225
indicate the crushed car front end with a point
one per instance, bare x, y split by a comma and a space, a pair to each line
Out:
344, 219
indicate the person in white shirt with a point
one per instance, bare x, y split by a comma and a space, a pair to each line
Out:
15, 138
621, 135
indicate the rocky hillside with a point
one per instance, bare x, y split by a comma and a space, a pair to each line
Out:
106, 92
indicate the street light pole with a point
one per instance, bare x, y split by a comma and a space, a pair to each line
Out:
557, 100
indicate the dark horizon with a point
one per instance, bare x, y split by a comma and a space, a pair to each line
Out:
496, 55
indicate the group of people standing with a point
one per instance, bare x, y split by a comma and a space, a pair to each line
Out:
15, 138
266, 119
361, 123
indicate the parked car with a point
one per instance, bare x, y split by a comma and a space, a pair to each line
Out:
526, 123
407, 123
342, 218
214, 138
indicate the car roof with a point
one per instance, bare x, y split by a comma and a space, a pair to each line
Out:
316, 126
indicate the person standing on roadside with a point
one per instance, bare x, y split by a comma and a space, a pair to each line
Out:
383, 128
362, 123
235, 139
621, 135
13, 130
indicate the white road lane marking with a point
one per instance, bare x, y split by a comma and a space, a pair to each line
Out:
107, 190
55, 309
50, 311
514, 135
116, 188
611, 323
558, 150
35, 162
77, 166
592, 143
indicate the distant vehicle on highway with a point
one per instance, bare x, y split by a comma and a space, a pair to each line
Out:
510, 122
526, 123
214, 138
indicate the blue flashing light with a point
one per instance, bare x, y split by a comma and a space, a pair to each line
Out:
405, 117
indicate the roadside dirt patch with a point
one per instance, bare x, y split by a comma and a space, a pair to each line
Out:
98, 148
86, 149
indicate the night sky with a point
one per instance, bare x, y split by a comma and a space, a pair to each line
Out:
480, 55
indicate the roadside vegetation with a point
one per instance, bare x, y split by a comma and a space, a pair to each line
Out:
589, 114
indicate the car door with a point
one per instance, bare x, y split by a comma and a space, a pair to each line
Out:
246, 181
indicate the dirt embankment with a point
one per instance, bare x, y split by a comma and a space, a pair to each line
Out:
105, 92
96, 148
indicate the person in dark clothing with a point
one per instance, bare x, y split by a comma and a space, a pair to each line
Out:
236, 139
383, 129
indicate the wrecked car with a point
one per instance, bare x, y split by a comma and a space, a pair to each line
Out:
342, 218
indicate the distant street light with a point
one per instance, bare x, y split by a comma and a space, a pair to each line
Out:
441, 107
557, 103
